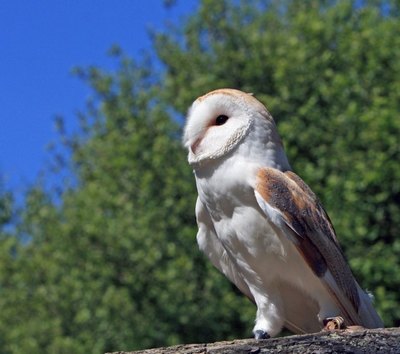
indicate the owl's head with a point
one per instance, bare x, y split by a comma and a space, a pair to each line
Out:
220, 120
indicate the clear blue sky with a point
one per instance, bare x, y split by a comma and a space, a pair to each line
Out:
40, 42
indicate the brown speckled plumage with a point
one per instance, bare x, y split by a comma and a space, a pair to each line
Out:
305, 216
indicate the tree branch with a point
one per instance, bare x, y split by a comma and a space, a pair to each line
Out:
383, 340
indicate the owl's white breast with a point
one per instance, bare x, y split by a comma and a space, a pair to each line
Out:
265, 258
226, 188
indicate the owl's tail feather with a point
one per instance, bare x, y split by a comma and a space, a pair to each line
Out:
293, 328
367, 313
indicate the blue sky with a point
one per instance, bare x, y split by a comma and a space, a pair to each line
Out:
40, 42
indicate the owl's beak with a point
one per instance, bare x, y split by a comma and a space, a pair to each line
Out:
192, 157
195, 145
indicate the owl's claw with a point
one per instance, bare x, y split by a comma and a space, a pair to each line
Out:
260, 334
333, 323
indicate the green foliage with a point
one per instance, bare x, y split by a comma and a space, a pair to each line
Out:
113, 263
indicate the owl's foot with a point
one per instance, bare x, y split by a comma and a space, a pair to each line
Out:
334, 323
260, 334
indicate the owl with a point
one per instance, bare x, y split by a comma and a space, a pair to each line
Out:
262, 226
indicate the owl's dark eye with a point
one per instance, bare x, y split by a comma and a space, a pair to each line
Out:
220, 120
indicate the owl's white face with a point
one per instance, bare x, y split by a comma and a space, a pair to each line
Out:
221, 120
217, 122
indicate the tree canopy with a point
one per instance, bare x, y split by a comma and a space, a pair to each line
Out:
112, 262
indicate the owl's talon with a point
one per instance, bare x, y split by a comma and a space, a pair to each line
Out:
260, 334
334, 323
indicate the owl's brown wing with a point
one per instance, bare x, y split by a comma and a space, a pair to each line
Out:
291, 205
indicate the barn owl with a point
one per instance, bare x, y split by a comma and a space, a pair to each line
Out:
262, 226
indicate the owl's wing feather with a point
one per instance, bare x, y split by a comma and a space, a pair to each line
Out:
291, 205
213, 248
